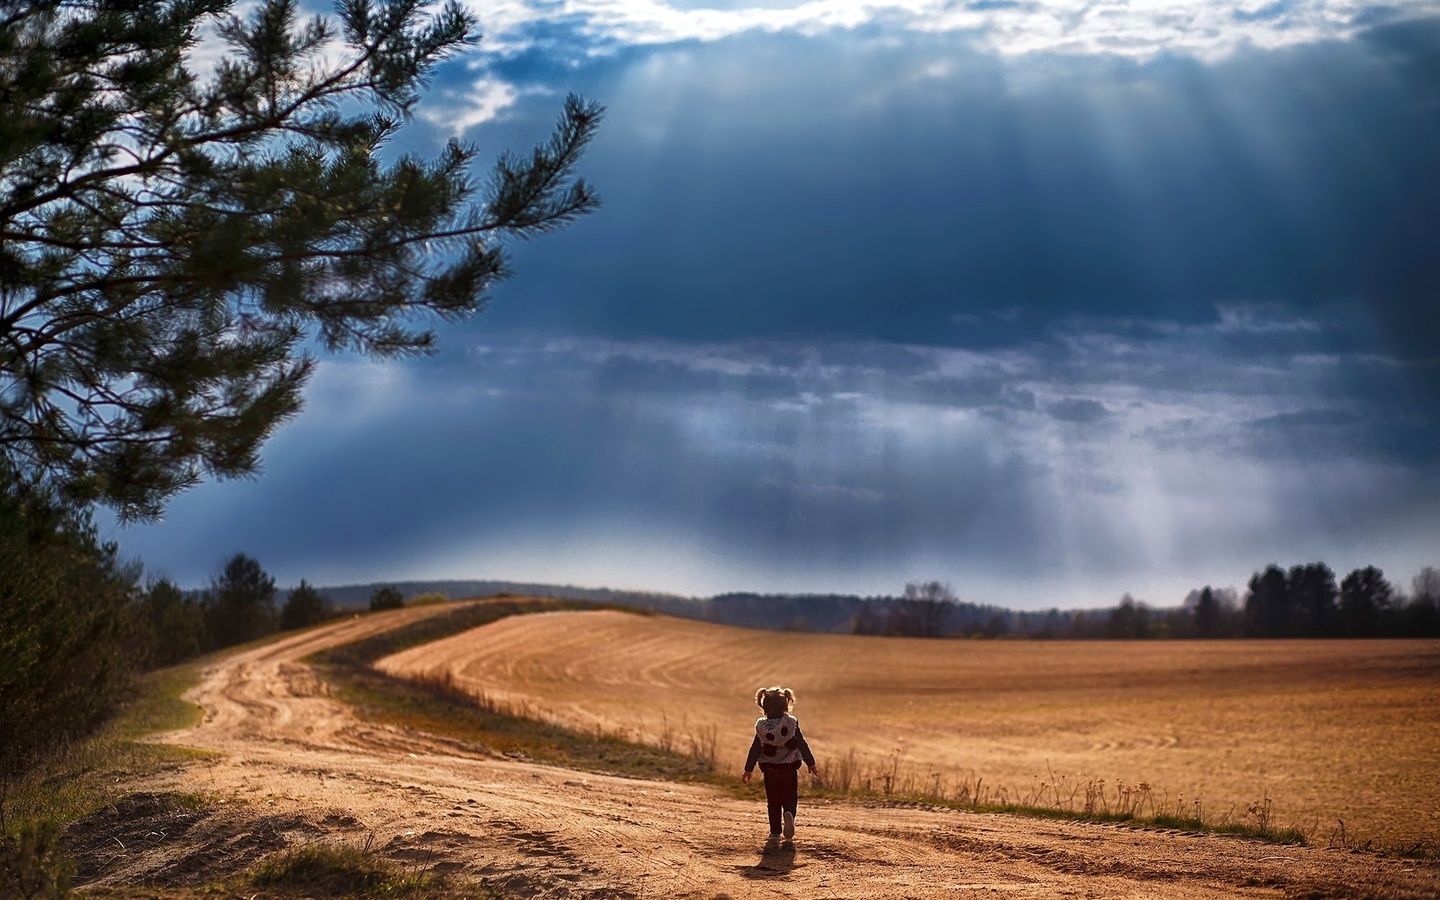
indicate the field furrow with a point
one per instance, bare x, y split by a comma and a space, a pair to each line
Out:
1329, 730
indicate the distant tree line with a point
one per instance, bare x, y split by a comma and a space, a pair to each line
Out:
358, 596
1307, 602
924, 609
173, 625
238, 606
1303, 601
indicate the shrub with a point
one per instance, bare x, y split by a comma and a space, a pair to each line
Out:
66, 618
386, 598
33, 865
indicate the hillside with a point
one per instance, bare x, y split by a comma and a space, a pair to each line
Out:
296, 767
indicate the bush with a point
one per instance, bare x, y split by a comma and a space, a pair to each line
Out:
33, 864
386, 598
66, 623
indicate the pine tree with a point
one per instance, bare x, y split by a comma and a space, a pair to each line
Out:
240, 605
304, 606
1268, 604
174, 625
174, 234
1365, 599
1315, 597
1207, 613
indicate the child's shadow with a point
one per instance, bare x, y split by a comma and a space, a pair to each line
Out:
773, 862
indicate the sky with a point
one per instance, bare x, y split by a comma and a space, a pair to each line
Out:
1051, 301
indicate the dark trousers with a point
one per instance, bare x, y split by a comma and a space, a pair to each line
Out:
782, 791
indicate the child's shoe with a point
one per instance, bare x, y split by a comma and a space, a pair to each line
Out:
773, 840
789, 824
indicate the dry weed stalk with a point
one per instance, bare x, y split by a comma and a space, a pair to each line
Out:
845, 770
704, 746
1093, 798
1260, 812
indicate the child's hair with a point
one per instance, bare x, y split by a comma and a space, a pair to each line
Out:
776, 701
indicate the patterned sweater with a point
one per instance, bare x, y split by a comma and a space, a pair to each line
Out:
778, 742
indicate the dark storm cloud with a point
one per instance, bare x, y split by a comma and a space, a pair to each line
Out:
545, 451
1078, 410
1387, 436
905, 191
1318, 403
1309, 418
806, 458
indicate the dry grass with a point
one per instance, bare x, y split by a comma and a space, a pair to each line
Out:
312, 871
1091, 800
1269, 735
78, 778
345, 870
438, 706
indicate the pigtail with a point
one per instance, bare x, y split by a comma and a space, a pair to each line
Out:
773, 694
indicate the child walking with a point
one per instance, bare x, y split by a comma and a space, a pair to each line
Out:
779, 748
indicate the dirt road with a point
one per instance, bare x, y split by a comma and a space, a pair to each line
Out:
296, 766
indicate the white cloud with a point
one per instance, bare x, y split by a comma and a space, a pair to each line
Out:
1261, 319
457, 112
1139, 28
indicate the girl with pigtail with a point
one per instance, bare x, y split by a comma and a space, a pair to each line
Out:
779, 748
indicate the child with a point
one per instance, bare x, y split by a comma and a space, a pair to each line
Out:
779, 747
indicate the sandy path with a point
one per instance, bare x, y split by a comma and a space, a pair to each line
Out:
293, 753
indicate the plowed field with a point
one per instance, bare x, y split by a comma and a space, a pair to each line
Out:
1329, 730
295, 766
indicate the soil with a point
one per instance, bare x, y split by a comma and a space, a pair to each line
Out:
295, 766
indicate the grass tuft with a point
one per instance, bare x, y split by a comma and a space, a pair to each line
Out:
33, 864
344, 870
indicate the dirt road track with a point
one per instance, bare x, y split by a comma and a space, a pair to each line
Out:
301, 764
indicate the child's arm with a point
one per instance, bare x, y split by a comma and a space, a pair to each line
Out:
752, 758
805, 753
